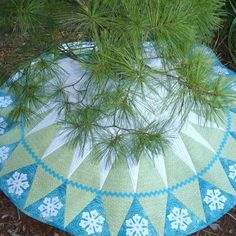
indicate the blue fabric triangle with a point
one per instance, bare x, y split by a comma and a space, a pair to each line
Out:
5, 152
220, 69
230, 170
51, 207
216, 202
136, 222
233, 110
16, 184
90, 221
233, 134
206, 50
180, 220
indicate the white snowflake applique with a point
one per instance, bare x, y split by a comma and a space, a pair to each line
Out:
179, 219
5, 101
50, 207
214, 199
3, 125
18, 183
137, 226
221, 70
4, 153
92, 222
232, 171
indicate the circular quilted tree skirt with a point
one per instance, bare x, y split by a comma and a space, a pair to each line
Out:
182, 192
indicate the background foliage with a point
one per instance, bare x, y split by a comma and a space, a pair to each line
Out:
226, 37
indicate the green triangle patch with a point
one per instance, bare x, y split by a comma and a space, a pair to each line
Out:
43, 183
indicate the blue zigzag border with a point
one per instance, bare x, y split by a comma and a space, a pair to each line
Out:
127, 194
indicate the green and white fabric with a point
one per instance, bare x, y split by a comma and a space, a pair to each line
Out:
179, 193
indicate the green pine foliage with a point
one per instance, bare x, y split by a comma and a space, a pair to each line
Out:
117, 70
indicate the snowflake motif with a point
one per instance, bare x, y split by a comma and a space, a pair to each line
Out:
137, 226
221, 70
50, 207
3, 125
17, 183
4, 153
5, 101
179, 219
214, 199
232, 173
92, 222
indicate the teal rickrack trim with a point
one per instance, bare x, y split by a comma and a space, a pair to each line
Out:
127, 194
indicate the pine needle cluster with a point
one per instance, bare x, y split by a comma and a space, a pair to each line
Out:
118, 75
